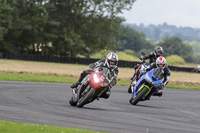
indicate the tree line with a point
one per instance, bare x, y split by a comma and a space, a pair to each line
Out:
157, 32
73, 28
60, 27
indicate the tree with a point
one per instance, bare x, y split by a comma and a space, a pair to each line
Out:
131, 39
86, 26
5, 19
28, 19
196, 47
156, 34
175, 46
72, 27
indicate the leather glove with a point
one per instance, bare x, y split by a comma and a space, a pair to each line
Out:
90, 70
161, 86
141, 58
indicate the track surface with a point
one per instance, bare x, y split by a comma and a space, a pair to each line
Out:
178, 111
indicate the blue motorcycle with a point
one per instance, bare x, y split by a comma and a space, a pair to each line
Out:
148, 84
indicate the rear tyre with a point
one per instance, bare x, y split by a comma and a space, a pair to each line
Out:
85, 99
140, 95
129, 89
71, 102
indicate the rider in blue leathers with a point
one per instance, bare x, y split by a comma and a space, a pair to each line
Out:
161, 63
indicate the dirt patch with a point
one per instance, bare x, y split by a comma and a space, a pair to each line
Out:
12, 66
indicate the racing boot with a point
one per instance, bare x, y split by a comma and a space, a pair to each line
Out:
75, 85
158, 93
83, 74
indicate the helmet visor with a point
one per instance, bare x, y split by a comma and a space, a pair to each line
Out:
112, 62
159, 51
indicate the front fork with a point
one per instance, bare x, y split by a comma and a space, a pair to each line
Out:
143, 85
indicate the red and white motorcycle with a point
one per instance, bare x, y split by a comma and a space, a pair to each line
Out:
91, 87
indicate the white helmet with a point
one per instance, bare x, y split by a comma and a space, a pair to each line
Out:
111, 60
161, 61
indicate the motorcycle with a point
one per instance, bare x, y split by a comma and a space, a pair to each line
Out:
152, 81
91, 87
139, 71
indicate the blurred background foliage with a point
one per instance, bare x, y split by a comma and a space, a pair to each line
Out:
88, 29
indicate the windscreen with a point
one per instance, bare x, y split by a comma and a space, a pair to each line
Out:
106, 72
158, 72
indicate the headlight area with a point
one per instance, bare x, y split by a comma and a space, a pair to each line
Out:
95, 80
147, 78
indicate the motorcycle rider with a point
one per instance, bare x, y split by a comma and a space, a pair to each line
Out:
152, 58
153, 55
110, 62
160, 63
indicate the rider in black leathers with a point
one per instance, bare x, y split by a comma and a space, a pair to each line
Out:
166, 73
110, 62
152, 58
154, 55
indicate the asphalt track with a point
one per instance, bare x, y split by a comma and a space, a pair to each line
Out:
178, 111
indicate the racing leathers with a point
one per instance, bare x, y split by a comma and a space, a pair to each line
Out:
151, 56
99, 63
166, 74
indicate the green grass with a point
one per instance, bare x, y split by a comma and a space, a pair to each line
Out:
183, 87
127, 83
121, 55
12, 127
35, 78
59, 79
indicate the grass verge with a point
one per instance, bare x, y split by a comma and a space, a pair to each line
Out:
35, 78
60, 79
183, 87
12, 127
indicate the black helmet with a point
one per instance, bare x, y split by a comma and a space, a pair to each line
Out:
159, 49
111, 60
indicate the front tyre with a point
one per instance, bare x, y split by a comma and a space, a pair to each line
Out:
85, 99
140, 95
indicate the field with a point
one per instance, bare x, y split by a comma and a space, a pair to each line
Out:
73, 71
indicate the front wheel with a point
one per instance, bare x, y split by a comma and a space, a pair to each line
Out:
85, 99
140, 95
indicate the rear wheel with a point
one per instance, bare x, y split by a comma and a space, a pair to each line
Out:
71, 102
129, 89
140, 95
